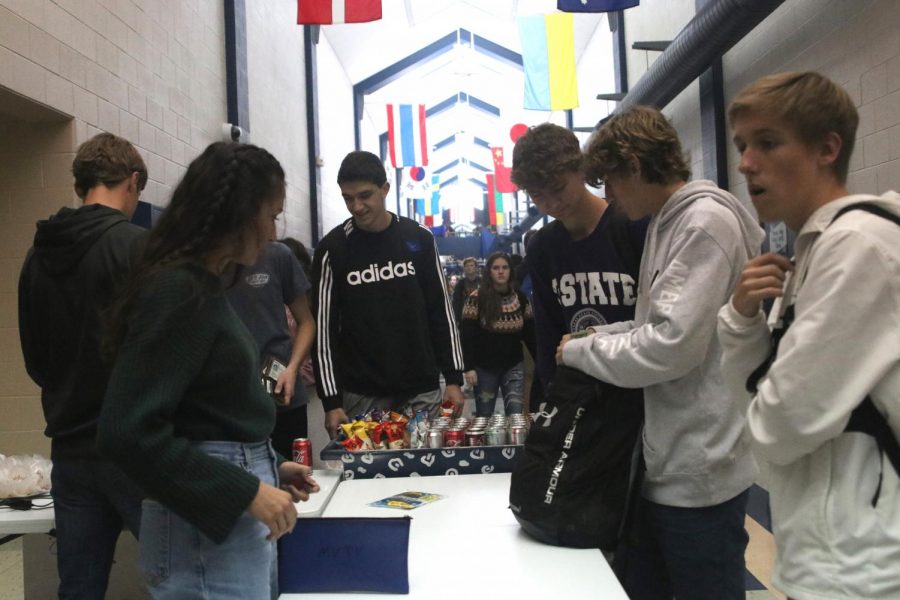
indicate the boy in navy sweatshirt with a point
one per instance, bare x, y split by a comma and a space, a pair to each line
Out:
584, 264
386, 330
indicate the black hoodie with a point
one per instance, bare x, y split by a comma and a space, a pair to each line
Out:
79, 258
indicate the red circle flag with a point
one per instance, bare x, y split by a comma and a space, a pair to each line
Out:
517, 131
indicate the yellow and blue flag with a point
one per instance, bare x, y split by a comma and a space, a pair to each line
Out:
548, 57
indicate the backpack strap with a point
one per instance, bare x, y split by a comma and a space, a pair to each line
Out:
759, 372
869, 207
865, 418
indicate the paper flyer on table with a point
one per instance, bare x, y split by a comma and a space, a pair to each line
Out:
406, 500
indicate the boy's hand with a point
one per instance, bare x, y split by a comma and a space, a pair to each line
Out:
762, 278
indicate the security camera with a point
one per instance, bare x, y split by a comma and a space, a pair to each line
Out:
233, 133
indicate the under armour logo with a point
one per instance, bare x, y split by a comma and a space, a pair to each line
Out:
543, 414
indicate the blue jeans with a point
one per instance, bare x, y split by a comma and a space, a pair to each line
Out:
688, 553
511, 382
179, 562
92, 500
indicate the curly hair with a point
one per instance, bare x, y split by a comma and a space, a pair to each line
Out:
221, 193
544, 155
642, 132
808, 103
106, 159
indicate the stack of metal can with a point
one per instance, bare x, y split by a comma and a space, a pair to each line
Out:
497, 430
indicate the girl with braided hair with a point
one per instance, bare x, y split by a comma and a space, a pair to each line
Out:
496, 319
185, 415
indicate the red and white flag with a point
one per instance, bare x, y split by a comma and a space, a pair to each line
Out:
327, 12
502, 172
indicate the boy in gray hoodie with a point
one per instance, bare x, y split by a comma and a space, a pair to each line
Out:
699, 467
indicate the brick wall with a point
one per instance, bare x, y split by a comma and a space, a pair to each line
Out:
152, 71
857, 44
854, 42
35, 180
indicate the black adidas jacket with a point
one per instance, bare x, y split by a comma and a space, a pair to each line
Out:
70, 275
385, 323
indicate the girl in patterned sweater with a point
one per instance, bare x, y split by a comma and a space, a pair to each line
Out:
496, 319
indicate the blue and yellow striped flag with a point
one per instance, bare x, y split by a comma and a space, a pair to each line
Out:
548, 57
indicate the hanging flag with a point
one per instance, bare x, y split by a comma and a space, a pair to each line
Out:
494, 202
501, 172
416, 184
419, 208
517, 131
328, 12
595, 5
433, 208
407, 143
548, 57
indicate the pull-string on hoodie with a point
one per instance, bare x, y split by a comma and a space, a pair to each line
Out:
696, 247
79, 258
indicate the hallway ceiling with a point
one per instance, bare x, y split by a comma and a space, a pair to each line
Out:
408, 26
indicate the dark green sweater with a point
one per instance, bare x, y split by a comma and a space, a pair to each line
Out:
187, 371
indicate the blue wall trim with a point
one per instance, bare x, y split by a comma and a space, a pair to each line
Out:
236, 82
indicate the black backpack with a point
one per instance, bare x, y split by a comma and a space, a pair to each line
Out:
578, 478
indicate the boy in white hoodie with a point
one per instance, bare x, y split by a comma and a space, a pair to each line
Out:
835, 496
699, 467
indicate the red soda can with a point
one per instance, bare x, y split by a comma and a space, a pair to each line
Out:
454, 437
475, 437
302, 451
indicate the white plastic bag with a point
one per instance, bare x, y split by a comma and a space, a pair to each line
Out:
24, 475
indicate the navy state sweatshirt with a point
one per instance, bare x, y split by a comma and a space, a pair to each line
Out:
582, 283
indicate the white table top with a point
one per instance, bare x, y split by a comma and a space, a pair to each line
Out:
17, 522
469, 545
36, 520
328, 481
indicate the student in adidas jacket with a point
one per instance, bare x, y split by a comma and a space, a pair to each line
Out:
699, 468
386, 330
835, 498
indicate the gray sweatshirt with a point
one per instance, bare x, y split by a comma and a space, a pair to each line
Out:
694, 447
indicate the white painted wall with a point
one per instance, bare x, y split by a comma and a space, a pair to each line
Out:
335, 130
277, 93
